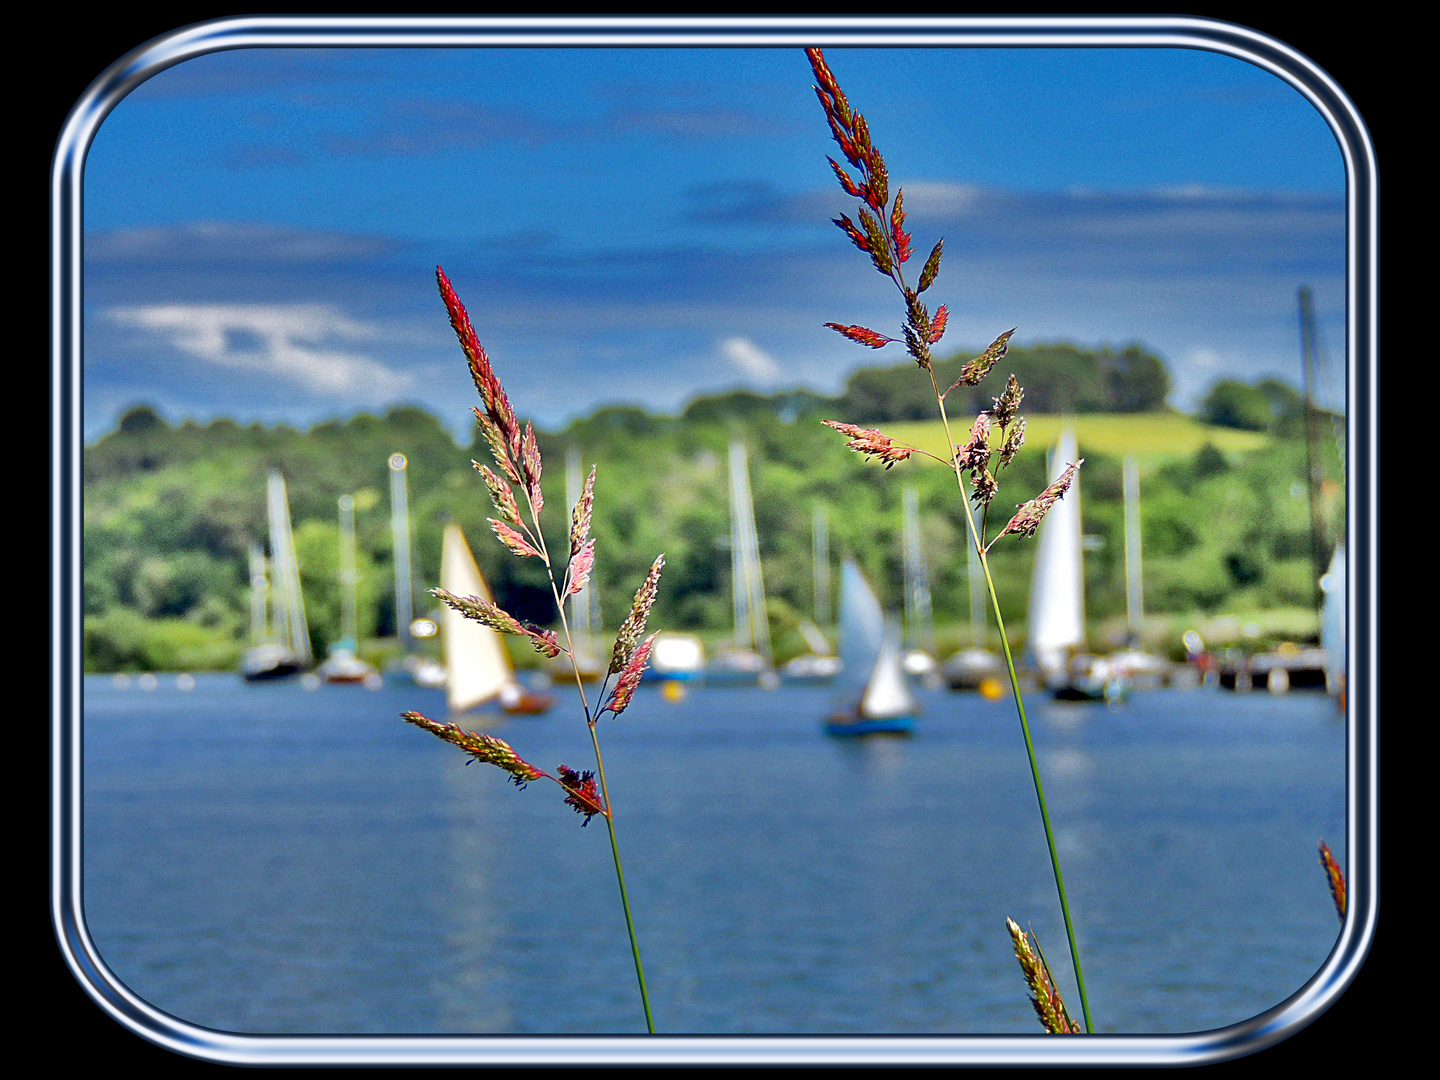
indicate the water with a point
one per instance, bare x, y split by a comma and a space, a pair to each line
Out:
267, 859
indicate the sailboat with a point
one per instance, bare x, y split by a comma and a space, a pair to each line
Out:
343, 665
282, 641
749, 659
873, 696
819, 664
424, 670
1056, 628
477, 667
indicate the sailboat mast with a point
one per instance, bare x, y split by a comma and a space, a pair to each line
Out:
739, 585
400, 534
349, 634
919, 625
977, 596
259, 587
1307, 363
580, 605
820, 547
1134, 580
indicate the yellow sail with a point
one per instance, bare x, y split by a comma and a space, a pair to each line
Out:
477, 667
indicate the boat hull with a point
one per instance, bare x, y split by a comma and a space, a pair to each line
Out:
269, 662
889, 725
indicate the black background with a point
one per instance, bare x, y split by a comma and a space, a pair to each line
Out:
1375, 61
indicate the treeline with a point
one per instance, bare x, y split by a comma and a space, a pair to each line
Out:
1057, 379
1268, 405
171, 510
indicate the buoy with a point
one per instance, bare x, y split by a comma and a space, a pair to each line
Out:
991, 688
672, 690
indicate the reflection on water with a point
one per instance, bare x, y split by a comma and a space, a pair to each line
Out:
467, 916
260, 858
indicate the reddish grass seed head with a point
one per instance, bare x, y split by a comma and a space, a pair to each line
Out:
484, 748
871, 443
634, 624
583, 797
1335, 877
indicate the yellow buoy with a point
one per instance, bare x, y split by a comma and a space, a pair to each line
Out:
991, 689
673, 690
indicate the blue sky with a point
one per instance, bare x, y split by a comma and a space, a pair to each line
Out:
643, 225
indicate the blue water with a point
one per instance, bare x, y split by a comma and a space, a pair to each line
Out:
270, 859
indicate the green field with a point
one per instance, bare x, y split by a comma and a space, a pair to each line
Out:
1152, 437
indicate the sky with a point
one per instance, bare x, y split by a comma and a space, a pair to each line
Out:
641, 226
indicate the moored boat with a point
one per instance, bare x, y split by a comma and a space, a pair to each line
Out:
278, 627
872, 694
478, 671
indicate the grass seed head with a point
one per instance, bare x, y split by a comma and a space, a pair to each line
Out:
975, 454
871, 443
977, 369
486, 748
580, 516
932, 266
583, 796
481, 610
577, 573
1008, 403
861, 335
629, 678
497, 404
984, 486
512, 539
1014, 439
1336, 878
500, 494
1049, 1009
634, 624
1030, 514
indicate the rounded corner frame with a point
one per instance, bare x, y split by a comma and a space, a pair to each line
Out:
1362, 335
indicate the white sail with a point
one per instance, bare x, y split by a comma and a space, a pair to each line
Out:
1134, 575
288, 608
1057, 588
870, 676
1332, 621
752, 627
861, 632
477, 667
887, 694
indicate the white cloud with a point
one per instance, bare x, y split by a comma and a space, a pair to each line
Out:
284, 340
940, 198
1203, 358
750, 358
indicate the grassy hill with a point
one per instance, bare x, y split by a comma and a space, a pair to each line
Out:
1155, 438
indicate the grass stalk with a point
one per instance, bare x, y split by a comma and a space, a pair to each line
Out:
620, 878
517, 457
605, 797
880, 233
979, 541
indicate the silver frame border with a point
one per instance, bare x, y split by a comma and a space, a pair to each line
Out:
66, 222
